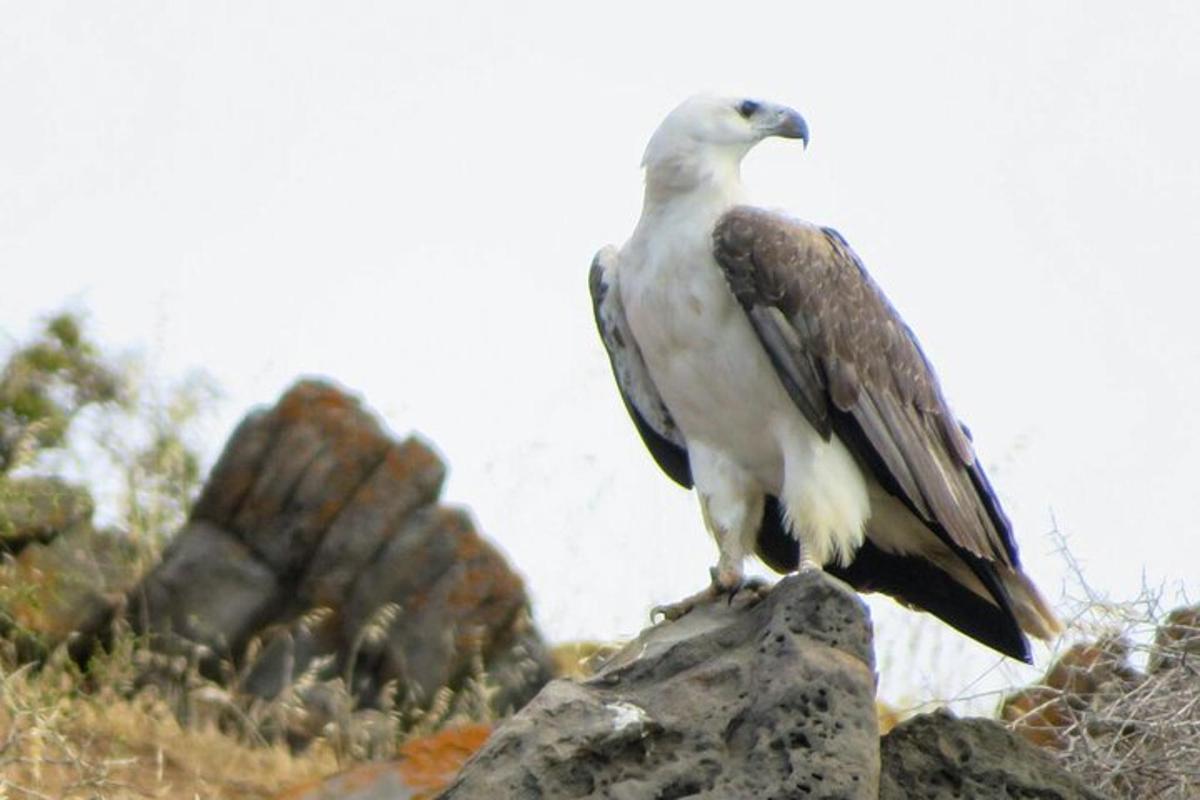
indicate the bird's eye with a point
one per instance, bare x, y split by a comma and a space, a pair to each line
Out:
747, 108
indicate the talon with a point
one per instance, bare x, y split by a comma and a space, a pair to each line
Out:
671, 611
749, 590
756, 585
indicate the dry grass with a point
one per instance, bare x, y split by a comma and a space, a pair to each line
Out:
143, 724
59, 742
1121, 705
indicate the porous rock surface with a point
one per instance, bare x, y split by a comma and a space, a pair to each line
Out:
775, 700
313, 505
939, 757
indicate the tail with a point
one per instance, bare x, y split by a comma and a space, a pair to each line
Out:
1031, 609
993, 604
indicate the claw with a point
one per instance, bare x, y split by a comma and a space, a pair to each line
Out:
673, 611
753, 588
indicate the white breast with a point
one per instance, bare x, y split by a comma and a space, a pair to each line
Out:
702, 353
720, 386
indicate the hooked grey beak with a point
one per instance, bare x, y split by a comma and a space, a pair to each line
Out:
791, 126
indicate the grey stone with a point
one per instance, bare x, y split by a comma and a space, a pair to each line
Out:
408, 477
940, 757
235, 472
209, 589
289, 653
775, 700
307, 478
458, 604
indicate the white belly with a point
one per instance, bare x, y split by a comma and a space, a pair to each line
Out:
720, 386
707, 362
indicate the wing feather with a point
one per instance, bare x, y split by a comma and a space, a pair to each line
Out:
642, 400
855, 369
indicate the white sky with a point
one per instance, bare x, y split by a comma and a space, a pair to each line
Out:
406, 197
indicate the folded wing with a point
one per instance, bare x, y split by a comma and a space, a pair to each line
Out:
855, 369
641, 397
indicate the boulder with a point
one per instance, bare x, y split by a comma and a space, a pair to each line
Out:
318, 544
57, 572
770, 700
36, 510
939, 757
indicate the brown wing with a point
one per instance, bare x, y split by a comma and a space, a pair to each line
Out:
855, 369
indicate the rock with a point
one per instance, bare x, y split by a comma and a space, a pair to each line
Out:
210, 589
57, 572
319, 536
455, 598
939, 757
36, 510
425, 766
775, 700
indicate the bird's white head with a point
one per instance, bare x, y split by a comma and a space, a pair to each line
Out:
703, 141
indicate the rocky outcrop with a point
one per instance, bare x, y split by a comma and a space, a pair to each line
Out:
770, 700
773, 701
319, 537
939, 757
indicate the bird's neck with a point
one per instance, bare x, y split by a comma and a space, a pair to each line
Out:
689, 187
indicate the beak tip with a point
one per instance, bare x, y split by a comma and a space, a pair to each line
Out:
793, 126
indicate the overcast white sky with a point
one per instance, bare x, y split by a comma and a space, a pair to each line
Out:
406, 196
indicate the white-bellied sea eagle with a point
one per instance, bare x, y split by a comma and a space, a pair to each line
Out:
762, 365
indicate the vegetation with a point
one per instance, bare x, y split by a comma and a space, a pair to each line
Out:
45, 385
76, 425
1121, 705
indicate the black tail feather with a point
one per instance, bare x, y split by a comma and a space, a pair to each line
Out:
913, 581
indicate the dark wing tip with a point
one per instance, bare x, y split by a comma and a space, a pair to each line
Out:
912, 581
918, 583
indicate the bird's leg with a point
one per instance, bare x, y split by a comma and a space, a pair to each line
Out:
732, 511
807, 564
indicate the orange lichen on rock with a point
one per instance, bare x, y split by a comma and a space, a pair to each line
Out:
429, 764
300, 400
425, 766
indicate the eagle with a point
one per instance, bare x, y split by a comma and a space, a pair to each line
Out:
763, 366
